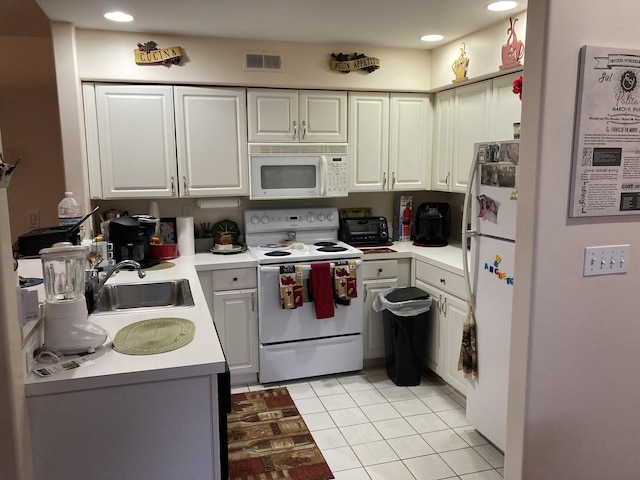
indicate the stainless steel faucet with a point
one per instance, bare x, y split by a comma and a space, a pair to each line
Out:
94, 287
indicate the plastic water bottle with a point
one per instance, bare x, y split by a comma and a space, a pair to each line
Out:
69, 210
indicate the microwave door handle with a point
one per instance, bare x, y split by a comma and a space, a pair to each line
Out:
323, 176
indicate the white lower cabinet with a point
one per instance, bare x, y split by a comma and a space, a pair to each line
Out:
232, 299
446, 319
379, 275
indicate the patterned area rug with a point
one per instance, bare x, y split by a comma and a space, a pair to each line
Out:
269, 440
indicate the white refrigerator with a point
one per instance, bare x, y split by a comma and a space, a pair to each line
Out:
490, 213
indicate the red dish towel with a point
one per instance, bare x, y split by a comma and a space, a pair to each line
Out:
322, 289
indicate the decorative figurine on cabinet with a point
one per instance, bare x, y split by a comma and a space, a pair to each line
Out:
461, 66
513, 50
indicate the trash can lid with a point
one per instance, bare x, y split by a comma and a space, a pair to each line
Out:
406, 294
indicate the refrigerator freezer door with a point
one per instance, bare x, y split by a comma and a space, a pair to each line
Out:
492, 265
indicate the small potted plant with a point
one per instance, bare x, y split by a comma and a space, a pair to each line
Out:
203, 234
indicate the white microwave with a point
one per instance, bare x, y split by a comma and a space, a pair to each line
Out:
285, 175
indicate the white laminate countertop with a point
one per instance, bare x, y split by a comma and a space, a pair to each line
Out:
203, 356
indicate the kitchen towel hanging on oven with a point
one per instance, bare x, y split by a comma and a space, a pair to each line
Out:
345, 282
291, 286
322, 290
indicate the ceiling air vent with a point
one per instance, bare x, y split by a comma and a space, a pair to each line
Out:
263, 62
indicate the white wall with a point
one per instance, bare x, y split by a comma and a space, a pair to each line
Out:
574, 388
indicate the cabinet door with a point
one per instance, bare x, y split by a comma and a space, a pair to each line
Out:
322, 117
369, 141
454, 313
236, 319
211, 141
273, 115
137, 141
373, 333
443, 142
505, 107
409, 142
472, 124
433, 349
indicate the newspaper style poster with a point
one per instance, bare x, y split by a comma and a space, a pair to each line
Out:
606, 158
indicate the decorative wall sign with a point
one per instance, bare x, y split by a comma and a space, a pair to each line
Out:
151, 53
461, 66
513, 50
606, 150
345, 63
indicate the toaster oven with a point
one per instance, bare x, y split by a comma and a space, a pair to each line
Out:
364, 231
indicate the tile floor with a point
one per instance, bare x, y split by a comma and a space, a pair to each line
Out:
368, 428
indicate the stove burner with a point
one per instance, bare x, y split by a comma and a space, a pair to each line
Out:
325, 244
335, 248
277, 253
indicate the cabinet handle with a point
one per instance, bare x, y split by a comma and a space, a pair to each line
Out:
184, 183
443, 281
235, 279
440, 305
446, 180
393, 179
173, 187
379, 270
384, 179
444, 307
253, 302
295, 129
304, 129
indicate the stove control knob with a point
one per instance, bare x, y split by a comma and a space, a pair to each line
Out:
311, 217
331, 217
265, 219
255, 219
321, 217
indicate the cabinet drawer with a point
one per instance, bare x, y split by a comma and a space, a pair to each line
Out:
443, 279
380, 269
234, 278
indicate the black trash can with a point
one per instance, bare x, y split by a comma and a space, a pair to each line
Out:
405, 330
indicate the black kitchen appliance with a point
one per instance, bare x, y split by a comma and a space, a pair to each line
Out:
32, 242
432, 225
364, 231
131, 240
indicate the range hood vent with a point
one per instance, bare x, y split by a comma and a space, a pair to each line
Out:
263, 62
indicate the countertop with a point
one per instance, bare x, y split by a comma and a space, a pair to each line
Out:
203, 356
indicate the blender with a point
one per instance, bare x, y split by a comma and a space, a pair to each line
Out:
67, 329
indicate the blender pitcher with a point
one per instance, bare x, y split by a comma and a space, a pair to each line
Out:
66, 325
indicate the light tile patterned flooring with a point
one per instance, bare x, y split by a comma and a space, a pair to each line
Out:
368, 428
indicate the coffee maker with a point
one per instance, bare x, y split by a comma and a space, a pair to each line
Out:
433, 224
67, 329
131, 239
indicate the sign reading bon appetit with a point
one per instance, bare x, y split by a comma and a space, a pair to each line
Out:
358, 61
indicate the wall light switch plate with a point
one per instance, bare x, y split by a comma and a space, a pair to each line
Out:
187, 210
606, 260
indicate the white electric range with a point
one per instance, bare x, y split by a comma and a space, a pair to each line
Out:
294, 343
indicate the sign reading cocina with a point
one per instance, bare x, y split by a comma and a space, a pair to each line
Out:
150, 53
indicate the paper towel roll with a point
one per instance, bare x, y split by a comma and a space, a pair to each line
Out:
186, 242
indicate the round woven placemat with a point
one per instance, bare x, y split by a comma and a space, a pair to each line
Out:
156, 335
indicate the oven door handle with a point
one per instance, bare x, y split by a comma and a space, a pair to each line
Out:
305, 266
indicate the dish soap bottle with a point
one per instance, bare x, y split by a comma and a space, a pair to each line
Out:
69, 210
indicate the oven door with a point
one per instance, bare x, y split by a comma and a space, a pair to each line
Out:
278, 325
285, 176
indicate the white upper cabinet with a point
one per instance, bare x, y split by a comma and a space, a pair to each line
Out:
472, 114
211, 141
389, 141
290, 116
482, 111
136, 141
369, 141
410, 142
149, 141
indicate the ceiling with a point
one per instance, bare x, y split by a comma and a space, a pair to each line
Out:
391, 23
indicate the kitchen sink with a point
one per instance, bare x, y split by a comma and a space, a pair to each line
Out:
125, 296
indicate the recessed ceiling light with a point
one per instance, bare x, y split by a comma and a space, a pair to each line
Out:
118, 17
431, 38
501, 6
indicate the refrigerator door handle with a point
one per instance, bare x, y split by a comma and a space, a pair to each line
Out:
468, 233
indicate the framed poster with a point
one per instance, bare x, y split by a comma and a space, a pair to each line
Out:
606, 153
